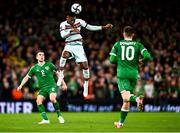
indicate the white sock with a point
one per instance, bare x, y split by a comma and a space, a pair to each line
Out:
61, 74
85, 85
62, 62
60, 78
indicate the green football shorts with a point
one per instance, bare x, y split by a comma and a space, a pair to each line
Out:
46, 91
125, 84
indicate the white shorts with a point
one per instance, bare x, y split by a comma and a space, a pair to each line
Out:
77, 51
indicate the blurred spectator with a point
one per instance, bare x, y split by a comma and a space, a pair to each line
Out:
149, 89
73, 86
163, 95
139, 89
173, 89
157, 79
27, 95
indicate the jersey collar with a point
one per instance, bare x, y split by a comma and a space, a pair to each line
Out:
41, 64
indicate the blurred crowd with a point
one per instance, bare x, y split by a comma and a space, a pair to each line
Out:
27, 26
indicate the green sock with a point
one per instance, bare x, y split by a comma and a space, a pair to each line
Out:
123, 116
57, 108
42, 111
132, 98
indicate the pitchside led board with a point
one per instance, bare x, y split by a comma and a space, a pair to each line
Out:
30, 106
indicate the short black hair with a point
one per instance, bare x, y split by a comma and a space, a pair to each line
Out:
39, 51
128, 30
71, 14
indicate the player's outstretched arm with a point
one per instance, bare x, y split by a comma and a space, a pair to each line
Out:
25, 79
96, 28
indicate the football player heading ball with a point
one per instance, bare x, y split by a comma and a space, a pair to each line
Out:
70, 30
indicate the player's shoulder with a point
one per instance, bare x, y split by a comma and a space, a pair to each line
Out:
64, 23
48, 62
117, 43
33, 67
79, 20
138, 42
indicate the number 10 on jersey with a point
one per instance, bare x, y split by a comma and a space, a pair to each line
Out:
127, 53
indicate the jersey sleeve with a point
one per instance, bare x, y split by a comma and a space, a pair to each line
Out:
30, 72
142, 48
63, 31
90, 27
83, 23
146, 55
113, 54
114, 50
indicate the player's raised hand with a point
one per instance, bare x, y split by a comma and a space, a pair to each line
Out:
107, 26
19, 88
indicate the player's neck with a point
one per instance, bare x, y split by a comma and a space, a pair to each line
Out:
128, 38
41, 63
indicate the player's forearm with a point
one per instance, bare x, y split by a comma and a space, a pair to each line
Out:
25, 79
93, 27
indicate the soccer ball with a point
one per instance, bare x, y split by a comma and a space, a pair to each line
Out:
76, 8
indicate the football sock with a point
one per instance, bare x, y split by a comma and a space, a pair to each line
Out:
86, 84
42, 111
85, 92
123, 115
57, 108
61, 73
132, 98
60, 78
62, 62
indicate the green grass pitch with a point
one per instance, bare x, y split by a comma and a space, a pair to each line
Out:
91, 122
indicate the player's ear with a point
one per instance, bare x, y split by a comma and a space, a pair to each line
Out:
133, 35
124, 34
37, 56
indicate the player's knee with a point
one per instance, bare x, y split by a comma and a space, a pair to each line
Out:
39, 101
84, 65
125, 96
52, 98
65, 55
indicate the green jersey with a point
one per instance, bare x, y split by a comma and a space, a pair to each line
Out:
126, 53
44, 74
